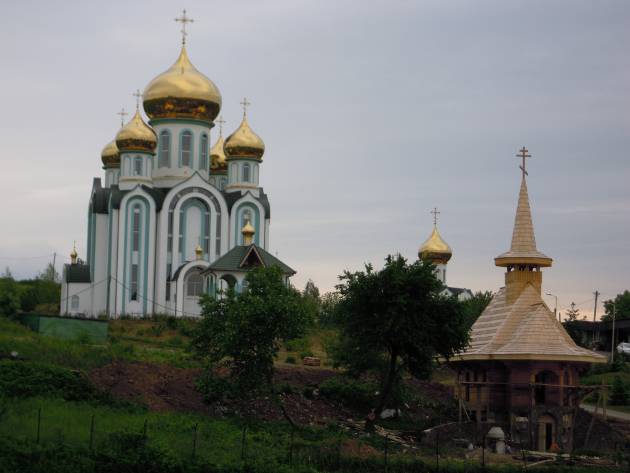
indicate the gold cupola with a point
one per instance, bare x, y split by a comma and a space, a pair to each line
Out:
182, 92
244, 143
73, 254
136, 136
248, 232
110, 155
218, 164
435, 249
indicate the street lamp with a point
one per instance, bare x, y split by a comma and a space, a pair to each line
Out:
555, 309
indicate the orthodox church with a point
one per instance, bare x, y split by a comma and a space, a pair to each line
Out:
174, 217
438, 252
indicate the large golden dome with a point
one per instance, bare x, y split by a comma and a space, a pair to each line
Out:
244, 143
218, 162
136, 136
435, 249
110, 155
182, 92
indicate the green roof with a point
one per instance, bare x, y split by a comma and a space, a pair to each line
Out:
236, 260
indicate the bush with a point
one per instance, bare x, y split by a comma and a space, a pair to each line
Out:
290, 359
619, 393
359, 394
297, 344
306, 353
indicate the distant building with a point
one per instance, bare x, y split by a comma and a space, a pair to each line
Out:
438, 252
521, 370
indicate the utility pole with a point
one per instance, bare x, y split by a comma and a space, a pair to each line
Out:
595, 314
54, 271
612, 344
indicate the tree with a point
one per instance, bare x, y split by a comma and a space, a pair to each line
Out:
327, 316
571, 325
7, 273
619, 393
312, 300
49, 273
475, 306
620, 306
311, 290
397, 316
9, 296
240, 334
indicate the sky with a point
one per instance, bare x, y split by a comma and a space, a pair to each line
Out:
372, 113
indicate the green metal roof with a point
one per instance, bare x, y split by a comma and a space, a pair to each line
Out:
234, 260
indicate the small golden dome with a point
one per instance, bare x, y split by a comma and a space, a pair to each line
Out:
182, 92
136, 136
74, 254
248, 232
218, 162
199, 251
435, 249
110, 155
244, 143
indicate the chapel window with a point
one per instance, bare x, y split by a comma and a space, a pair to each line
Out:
74, 304
164, 152
246, 172
194, 285
186, 148
203, 152
135, 229
134, 282
137, 166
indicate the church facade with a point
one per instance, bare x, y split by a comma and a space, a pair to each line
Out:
170, 205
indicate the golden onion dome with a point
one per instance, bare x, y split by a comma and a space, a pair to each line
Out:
182, 92
110, 155
435, 249
136, 136
244, 143
218, 162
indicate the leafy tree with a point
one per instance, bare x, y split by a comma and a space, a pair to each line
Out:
328, 309
573, 314
9, 296
240, 334
311, 290
397, 320
49, 273
312, 300
474, 306
620, 306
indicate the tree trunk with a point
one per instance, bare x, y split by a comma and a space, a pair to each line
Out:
385, 392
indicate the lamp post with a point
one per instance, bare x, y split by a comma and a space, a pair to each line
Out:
555, 309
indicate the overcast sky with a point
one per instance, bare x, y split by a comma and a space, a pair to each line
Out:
372, 112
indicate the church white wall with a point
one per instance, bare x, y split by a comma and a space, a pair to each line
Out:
81, 291
111, 176
243, 173
135, 168
246, 202
175, 173
113, 260
99, 287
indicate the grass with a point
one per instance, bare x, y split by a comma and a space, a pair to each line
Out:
312, 344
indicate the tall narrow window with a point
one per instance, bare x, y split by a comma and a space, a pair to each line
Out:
203, 152
135, 229
186, 148
246, 172
134, 282
194, 285
206, 233
75, 302
164, 153
137, 166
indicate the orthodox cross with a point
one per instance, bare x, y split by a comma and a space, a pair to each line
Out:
122, 114
435, 215
183, 20
137, 95
220, 121
523, 154
245, 104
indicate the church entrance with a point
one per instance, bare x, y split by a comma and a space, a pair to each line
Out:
546, 432
193, 289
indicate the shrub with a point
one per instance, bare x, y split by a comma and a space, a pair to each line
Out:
305, 353
346, 390
290, 359
619, 393
297, 344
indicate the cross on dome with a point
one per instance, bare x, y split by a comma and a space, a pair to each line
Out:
138, 96
245, 104
523, 154
122, 115
220, 121
435, 215
184, 20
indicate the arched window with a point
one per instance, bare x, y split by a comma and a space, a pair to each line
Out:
246, 172
203, 152
74, 302
186, 147
194, 285
164, 152
135, 247
137, 166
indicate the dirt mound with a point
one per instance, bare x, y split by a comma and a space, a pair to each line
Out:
166, 388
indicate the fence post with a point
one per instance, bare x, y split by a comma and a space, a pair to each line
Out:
92, 432
243, 442
39, 422
437, 450
194, 444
